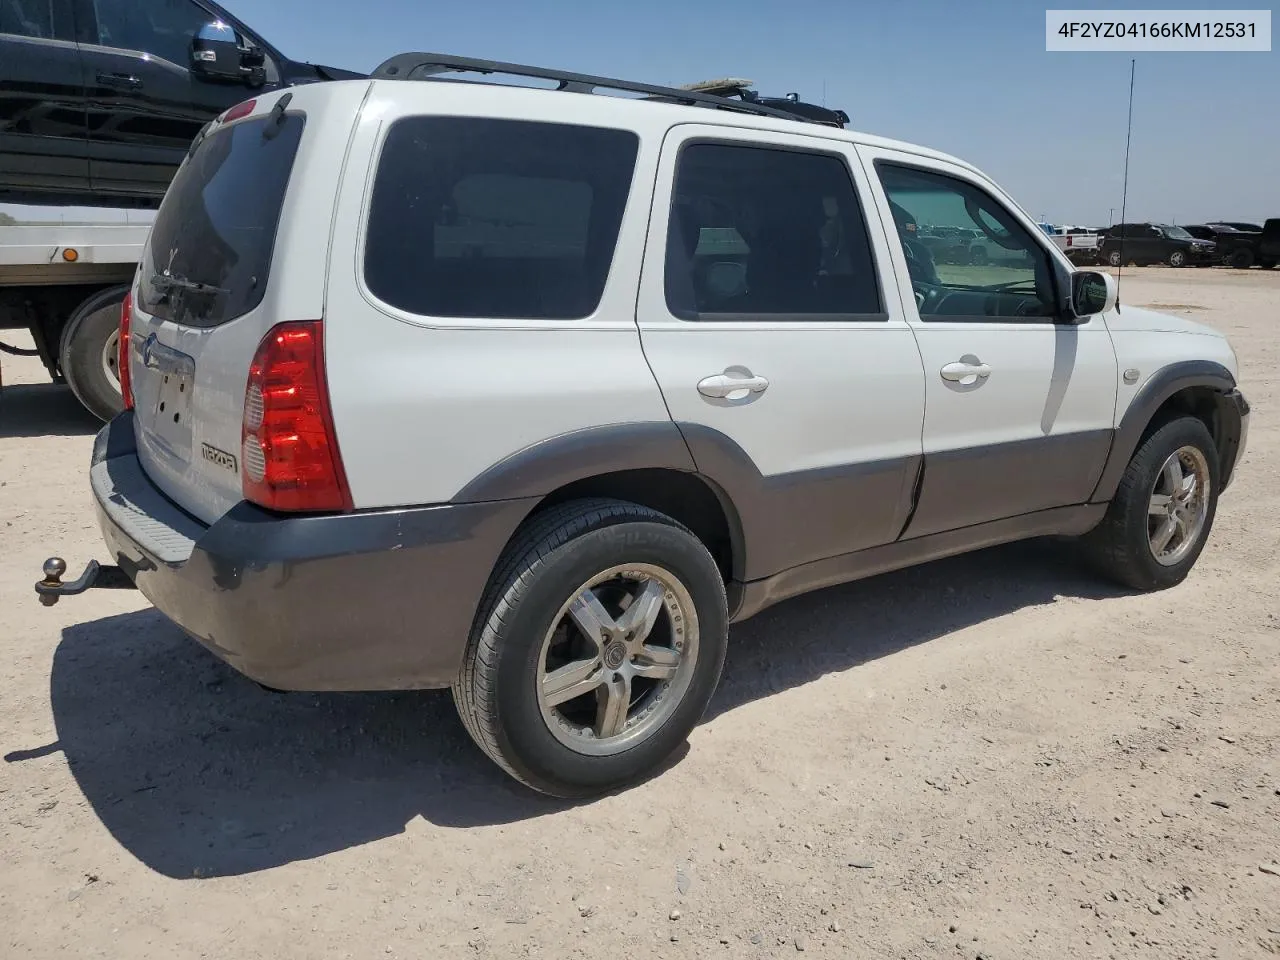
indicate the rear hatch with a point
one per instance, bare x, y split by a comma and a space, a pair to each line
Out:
200, 306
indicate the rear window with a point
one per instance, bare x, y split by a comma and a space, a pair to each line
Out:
213, 237
501, 219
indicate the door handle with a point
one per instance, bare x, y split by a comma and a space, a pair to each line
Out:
967, 370
125, 80
735, 383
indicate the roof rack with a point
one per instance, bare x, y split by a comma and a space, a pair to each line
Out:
428, 66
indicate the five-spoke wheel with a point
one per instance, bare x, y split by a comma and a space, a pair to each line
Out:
1179, 504
1162, 510
597, 649
617, 659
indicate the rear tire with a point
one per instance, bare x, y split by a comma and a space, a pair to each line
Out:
528, 629
1126, 545
1267, 264
87, 355
1242, 259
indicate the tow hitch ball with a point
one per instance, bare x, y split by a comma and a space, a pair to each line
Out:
51, 589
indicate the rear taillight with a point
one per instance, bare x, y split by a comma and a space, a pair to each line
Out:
291, 458
122, 351
242, 109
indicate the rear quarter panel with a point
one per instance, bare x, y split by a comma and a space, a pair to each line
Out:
423, 405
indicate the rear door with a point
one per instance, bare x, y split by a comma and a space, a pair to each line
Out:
777, 337
145, 104
42, 99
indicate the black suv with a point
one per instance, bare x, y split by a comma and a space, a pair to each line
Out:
100, 99
1155, 243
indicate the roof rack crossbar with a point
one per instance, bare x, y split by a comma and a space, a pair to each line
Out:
427, 66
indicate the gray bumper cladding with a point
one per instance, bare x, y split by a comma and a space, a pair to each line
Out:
372, 600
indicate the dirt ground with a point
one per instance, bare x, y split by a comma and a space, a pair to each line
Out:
993, 756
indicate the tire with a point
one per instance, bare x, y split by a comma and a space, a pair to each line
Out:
86, 341
1267, 264
1122, 546
978, 256
1178, 258
1113, 258
523, 623
1241, 258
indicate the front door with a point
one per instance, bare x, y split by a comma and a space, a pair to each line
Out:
1020, 403
42, 110
145, 105
768, 318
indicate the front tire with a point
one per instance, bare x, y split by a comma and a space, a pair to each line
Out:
1242, 259
596, 650
1178, 258
1113, 258
1163, 509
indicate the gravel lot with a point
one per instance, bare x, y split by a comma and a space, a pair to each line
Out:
993, 756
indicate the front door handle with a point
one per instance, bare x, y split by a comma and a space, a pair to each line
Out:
966, 371
128, 81
736, 383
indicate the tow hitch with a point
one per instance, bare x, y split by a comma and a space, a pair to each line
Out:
51, 589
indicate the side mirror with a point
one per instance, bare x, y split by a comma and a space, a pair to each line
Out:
217, 54
1092, 293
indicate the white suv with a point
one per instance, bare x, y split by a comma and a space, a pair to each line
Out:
531, 393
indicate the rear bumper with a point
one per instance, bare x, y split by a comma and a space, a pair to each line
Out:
378, 600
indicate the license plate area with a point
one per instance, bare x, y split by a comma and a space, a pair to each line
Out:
175, 374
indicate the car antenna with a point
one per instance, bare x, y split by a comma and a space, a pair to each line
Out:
1124, 196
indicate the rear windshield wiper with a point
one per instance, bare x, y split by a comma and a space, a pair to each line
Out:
167, 283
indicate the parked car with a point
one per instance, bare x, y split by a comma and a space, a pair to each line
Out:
1081, 245
1242, 250
450, 385
99, 108
1244, 227
1208, 231
1147, 243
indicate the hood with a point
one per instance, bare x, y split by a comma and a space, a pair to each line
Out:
1152, 321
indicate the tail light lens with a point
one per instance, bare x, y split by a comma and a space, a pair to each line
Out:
290, 450
122, 354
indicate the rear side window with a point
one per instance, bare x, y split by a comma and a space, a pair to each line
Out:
501, 219
215, 232
760, 233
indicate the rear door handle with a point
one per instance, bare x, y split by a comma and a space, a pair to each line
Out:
125, 80
967, 370
736, 383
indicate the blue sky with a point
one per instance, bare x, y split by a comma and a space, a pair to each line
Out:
970, 77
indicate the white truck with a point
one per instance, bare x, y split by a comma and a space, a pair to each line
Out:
64, 282
1080, 244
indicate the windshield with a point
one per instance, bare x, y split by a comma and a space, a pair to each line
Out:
1177, 233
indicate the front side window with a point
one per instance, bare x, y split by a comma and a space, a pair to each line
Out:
968, 257
27, 18
766, 233
500, 219
162, 28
